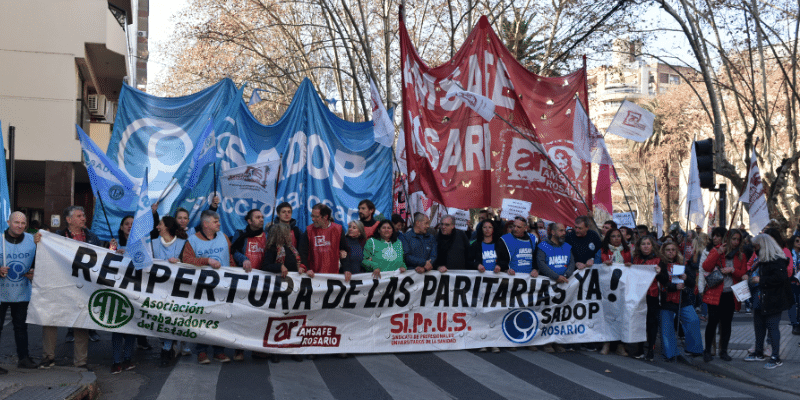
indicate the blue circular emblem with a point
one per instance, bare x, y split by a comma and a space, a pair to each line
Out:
16, 271
139, 257
116, 192
520, 325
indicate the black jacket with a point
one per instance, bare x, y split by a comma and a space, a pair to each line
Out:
774, 287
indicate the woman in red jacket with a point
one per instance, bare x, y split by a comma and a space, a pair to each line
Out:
646, 253
729, 258
614, 250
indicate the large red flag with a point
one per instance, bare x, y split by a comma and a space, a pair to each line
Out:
460, 160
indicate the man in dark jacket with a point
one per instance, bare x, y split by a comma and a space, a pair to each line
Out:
420, 246
284, 216
452, 246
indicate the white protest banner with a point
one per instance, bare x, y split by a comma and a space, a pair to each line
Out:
83, 286
461, 216
757, 197
627, 219
632, 122
254, 181
513, 208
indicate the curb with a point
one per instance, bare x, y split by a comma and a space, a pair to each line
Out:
732, 372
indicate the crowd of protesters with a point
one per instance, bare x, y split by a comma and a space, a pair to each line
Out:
677, 300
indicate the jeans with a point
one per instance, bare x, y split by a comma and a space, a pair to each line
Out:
19, 313
691, 327
122, 345
764, 323
722, 315
203, 348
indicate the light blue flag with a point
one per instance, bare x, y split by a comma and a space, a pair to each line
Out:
138, 248
114, 186
255, 98
204, 153
5, 204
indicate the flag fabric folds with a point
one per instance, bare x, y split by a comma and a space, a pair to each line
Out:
587, 140
756, 197
632, 122
253, 181
658, 213
384, 128
602, 191
108, 181
694, 194
5, 204
205, 153
255, 98
138, 249
480, 104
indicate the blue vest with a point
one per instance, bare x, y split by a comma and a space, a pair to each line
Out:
520, 252
165, 253
489, 256
216, 248
15, 287
557, 257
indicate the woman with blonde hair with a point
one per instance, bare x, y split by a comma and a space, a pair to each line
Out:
769, 285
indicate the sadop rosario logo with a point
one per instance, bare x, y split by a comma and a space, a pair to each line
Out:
520, 325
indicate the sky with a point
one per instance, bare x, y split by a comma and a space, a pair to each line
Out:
161, 26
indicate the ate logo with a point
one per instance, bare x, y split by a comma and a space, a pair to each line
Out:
633, 119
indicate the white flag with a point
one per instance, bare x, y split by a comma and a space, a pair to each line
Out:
384, 128
253, 181
480, 104
756, 195
658, 213
632, 122
694, 194
588, 143
401, 166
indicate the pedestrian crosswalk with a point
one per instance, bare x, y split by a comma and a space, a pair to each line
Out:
445, 375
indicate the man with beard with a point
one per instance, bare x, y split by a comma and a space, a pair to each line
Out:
366, 213
515, 250
452, 245
420, 246
248, 244
585, 243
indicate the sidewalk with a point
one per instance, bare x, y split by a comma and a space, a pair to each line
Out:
785, 378
45, 384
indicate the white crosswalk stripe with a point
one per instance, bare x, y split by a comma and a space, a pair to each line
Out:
190, 380
400, 381
648, 370
293, 380
589, 379
492, 376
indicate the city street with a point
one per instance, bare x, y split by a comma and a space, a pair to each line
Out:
432, 375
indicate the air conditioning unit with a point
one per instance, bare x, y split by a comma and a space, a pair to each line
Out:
97, 104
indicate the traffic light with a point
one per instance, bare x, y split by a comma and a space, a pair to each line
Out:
704, 152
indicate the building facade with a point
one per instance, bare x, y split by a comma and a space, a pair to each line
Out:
64, 63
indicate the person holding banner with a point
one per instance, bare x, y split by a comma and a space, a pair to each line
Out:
280, 257
16, 273
75, 230
353, 252
384, 251
585, 243
209, 247
325, 240
675, 299
614, 250
452, 245
646, 253
248, 244
770, 287
515, 250
420, 245
123, 232
169, 246
483, 256
555, 260
730, 260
